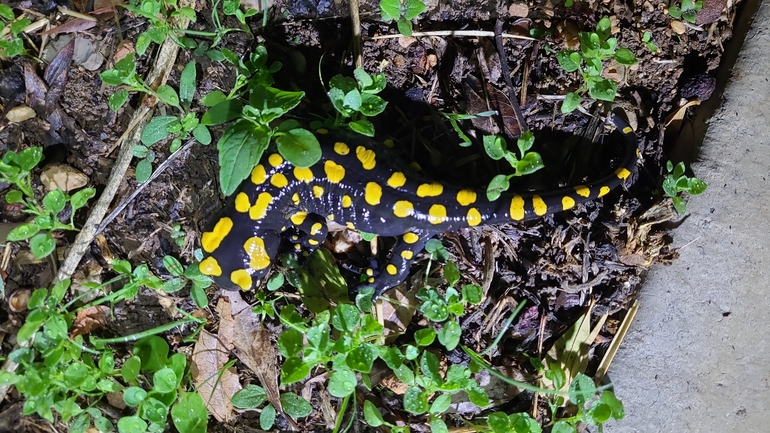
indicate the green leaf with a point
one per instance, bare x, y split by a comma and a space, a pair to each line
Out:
164, 380
202, 134
222, 112
143, 170
80, 198
615, 405
267, 417
14, 196
363, 127
295, 406
168, 95
413, 8
675, 12
6, 12
153, 352
624, 56
372, 105
300, 147
391, 9
437, 425
130, 369
372, 416
415, 401
117, 99
240, 149
362, 357
134, 395
679, 205
404, 27
55, 201
290, 342
189, 414
440, 404
697, 186
603, 28
23, 232
131, 424
531, 163
342, 383
494, 146
294, 370
213, 98
563, 427
571, 102
602, 90
497, 186
42, 244
187, 83
581, 389
449, 335
451, 273
250, 397
345, 317
567, 61
113, 77
598, 413
157, 129
423, 337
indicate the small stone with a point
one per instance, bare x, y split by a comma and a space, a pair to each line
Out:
64, 177
20, 114
518, 10
405, 41
678, 27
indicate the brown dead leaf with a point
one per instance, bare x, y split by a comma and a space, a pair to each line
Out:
71, 26
36, 89
208, 360
89, 319
56, 75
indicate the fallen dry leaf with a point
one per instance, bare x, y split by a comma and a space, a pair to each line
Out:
208, 360
19, 114
64, 177
89, 319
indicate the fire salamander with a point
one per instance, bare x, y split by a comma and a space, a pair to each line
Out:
353, 185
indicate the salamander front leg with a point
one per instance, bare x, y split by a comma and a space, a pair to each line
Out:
397, 268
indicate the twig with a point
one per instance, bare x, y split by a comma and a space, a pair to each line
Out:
355, 22
455, 33
119, 208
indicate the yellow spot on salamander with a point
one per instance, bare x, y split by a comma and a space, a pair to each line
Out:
315, 228
517, 208
295, 199
433, 189
298, 218
539, 205
322, 131
318, 191
437, 214
407, 255
258, 175
366, 156
278, 180
255, 249
330, 217
303, 174
628, 130
334, 172
622, 173
391, 269
582, 191
346, 201
259, 210
373, 193
388, 143
567, 202
341, 148
370, 280
473, 217
410, 238
350, 225
241, 278
297, 247
275, 160
312, 242
210, 266
403, 208
210, 240
242, 203
396, 180
603, 191
369, 272
466, 197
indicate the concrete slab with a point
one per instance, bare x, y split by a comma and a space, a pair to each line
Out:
697, 357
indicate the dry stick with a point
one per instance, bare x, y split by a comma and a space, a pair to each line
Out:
455, 33
355, 22
507, 76
157, 76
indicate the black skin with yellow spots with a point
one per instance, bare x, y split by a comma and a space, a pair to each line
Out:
353, 185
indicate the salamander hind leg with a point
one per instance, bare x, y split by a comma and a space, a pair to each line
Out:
309, 233
396, 269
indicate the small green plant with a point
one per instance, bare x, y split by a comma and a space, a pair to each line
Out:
529, 162
244, 142
11, 44
676, 182
158, 13
60, 368
688, 11
403, 12
595, 47
160, 127
647, 40
125, 75
15, 168
254, 396
355, 99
